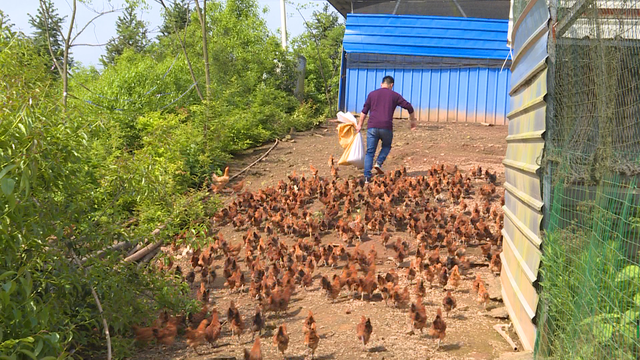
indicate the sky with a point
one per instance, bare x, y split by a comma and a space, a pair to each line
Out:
104, 28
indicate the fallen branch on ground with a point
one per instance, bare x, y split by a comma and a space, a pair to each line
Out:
255, 162
99, 254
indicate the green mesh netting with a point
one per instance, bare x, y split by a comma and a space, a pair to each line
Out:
590, 276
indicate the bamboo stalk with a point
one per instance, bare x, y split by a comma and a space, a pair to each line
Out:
148, 257
134, 250
146, 250
99, 254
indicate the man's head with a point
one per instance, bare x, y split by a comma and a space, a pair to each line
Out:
387, 82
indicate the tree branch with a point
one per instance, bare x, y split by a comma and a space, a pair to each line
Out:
92, 20
97, 300
45, 12
96, 45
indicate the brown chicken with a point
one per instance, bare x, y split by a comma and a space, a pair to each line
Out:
235, 320
420, 289
454, 278
332, 288
281, 339
438, 328
418, 315
400, 298
308, 322
367, 285
196, 318
191, 277
203, 293
167, 335
258, 322
443, 278
196, 337
486, 250
496, 264
237, 187
311, 339
476, 283
429, 275
144, 335
483, 295
334, 172
255, 353
363, 331
219, 182
449, 303
212, 332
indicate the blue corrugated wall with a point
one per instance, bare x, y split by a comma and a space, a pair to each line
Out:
465, 95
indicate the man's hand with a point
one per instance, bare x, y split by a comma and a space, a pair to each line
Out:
413, 122
360, 122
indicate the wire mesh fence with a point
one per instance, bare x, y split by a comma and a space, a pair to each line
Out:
590, 275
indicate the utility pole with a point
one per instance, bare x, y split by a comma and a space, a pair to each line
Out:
283, 25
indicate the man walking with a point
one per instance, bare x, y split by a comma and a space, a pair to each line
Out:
381, 104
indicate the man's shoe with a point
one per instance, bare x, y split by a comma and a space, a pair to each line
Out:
378, 169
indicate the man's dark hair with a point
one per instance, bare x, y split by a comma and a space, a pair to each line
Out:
387, 80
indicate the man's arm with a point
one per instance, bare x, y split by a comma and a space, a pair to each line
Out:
363, 114
412, 114
360, 121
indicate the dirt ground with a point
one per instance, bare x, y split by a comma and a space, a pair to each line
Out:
470, 333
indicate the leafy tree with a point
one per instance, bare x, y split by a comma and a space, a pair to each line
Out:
131, 34
175, 17
321, 45
48, 26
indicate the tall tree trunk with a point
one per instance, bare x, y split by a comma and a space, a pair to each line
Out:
65, 58
202, 15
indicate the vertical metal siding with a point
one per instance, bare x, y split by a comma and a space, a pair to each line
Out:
523, 192
465, 95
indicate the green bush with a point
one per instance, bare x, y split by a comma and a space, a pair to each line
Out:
133, 147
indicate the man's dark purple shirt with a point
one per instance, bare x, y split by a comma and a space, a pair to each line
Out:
382, 103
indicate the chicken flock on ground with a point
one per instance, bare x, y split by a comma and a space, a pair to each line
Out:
444, 212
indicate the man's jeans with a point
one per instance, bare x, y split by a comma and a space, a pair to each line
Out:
373, 136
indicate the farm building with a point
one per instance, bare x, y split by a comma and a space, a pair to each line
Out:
450, 69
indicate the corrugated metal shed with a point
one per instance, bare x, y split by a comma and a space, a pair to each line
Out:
450, 69
426, 36
525, 143
491, 9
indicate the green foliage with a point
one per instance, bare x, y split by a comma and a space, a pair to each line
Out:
175, 17
47, 25
589, 299
53, 198
131, 34
135, 146
321, 45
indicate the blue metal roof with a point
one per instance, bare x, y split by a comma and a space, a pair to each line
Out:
426, 36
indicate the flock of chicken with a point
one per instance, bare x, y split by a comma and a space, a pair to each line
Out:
442, 211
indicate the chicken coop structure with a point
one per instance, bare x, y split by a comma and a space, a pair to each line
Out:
571, 259
449, 68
